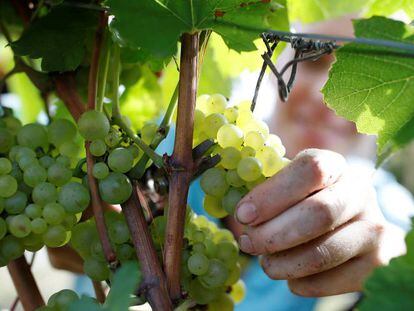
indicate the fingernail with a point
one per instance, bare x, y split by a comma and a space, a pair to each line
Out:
246, 213
245, 244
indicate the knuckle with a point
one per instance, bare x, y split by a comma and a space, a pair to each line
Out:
323, 212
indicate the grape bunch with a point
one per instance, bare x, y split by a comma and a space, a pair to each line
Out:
249, 153
40, 199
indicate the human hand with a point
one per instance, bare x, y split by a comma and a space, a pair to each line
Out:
318, 225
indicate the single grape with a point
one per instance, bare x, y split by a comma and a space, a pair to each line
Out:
97, 251
238, 291
230, 157
64, 160
53, 213
74, 197
227, 252
135, 151
58, 174
213, 123
275, 142
38, 225
69, 221
229, 135
216, 275
198, 264
118, 232
124, 252
16, 172
6, 140
27, 161
254, 139
231, 114
233, 179
223, 235
44, 193
249, 169
199, 248
201, 103
46, 161
96, 270
234, 274
5, 166
3, 228
211, 248
115, 189
8, 186
271, 160
244, 117
62, 299
70, 149
212, 206
200, 293
148, 132
60, 131
56, 236
82, 234
120, 160
19, 226
33, 135
97, 148
100, 170
13, 124
213, 182
245, 105
198, 236
256, 125
16, 203
93, 125
11, 247
34, 175
216, 104
33, 211
247, 151
113, 138
230, 200
21, 151
222, 303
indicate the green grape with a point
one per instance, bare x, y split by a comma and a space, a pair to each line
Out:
216, 103
211, 248
38, 225
5, 166
16, 172
27, 161
230, 200
223, 235
62, 299
271, 160
69, 221
33, 135
229, 135
213, 182
97, 251
8, 186
74, 197
244, 117
100, 170
96, 270
222, 303
11, 247
135, 151
56, 236
58, 174
238, 291
13, 124
34, 175
256, 125
69, 148
113, 138
44, 193
212, 206
227, 252
3, 228
93, 125
231, 114
275, 142
199, 118
233, 179
249, 169
82, 234
234, 274
247, 151
46, 161
19, 226
213, 123
201, 103
252, 184
23, 152
33, 211
216, 275
254, 139
198, 236
53, 213
200, 293
115, 189
120, 160
16, 203
97, 148
199, 247
2, 204
124, 252
230, 157
158, 226
118, 232
148, 132
60, 131
245, 105
64, 160
6, 140
198, 264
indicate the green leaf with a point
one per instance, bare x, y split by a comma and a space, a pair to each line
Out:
125, 281
156, 25
59, 38
392, 286
309, 11
388, 7
374, 87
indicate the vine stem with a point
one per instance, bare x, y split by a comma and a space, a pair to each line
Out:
155, 284
181, 162
25, 284
66, 89
99, 291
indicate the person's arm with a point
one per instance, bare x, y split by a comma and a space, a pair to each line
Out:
318, 225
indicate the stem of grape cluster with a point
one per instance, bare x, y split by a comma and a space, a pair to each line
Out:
25, 284
155, 285
181, 162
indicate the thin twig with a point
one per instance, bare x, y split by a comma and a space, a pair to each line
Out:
181, 162
99, 291
156, 286
103, 71
115, 71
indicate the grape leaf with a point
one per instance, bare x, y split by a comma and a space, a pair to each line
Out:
387, 7
156, 25
374, 87
309, 11
392, 287
59, 38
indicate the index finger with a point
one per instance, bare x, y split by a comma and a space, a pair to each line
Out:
311, 170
